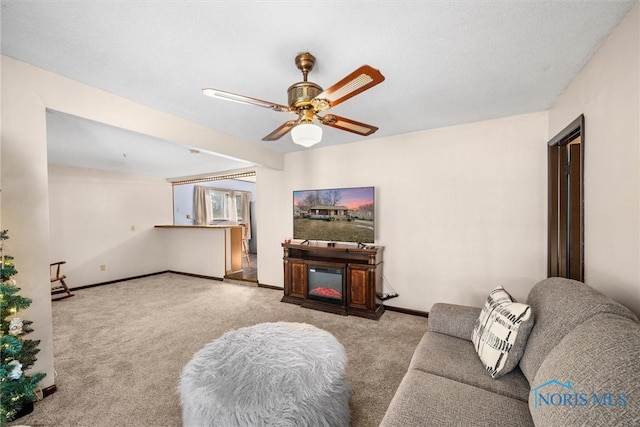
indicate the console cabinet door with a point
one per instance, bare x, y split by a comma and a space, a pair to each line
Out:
359, 287
298, 279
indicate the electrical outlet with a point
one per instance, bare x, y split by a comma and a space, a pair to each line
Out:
103, 267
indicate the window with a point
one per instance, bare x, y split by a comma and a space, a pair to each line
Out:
229, 205
220, 205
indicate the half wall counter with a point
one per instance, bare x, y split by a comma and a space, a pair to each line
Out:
204, 250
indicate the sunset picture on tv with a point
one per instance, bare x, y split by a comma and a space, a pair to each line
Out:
334, 215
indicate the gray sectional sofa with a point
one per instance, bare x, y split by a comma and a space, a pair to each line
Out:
580, 366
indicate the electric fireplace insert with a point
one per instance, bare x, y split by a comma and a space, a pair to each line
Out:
325, 284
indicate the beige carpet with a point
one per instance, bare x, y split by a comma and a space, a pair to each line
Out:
119, 349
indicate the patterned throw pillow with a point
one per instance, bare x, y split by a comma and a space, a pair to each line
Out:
500, 333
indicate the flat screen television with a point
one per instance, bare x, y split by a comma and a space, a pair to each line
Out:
334, 214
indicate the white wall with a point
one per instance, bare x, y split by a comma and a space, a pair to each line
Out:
459, 210
607, 92
91, 214
25, 208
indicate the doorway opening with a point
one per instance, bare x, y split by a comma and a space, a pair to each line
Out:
223, 200
566, 202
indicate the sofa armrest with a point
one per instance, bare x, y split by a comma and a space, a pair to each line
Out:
452, 319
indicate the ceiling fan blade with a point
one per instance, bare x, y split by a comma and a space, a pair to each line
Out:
216, 93
281, 131
360, 80
347, 124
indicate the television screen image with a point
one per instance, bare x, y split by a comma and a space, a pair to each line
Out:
335, 215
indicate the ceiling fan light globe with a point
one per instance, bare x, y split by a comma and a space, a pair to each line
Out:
306, 134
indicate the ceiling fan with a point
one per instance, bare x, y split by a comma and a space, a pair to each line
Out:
307, 100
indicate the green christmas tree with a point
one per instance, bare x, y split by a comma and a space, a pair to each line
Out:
17, 354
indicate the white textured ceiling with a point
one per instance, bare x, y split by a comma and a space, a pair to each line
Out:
445, 62
78, 142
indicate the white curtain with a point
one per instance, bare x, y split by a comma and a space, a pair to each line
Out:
243, 217
233, 210
201, 205
246, 200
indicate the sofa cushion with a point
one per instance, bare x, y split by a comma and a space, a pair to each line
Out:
560, 305
501, 332
456, 359
600, 356
453, 319
424, 399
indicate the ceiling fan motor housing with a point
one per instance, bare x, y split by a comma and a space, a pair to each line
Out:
301, 94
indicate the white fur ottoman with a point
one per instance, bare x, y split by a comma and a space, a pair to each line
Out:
270, 374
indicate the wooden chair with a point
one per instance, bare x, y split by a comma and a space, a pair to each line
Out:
245, 248
57, 276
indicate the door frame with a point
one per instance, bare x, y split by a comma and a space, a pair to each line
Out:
565, 241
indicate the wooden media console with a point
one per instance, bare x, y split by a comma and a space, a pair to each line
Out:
339, 278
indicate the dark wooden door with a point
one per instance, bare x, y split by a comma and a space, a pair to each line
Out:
566, 202
359, 286
298, 279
